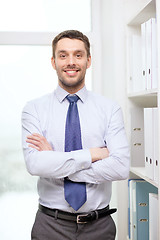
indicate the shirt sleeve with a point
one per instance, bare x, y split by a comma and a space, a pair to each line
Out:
116, 166
52, 164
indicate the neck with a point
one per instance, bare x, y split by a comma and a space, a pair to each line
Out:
71, 90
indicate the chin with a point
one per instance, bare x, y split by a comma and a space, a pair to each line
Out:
71, 84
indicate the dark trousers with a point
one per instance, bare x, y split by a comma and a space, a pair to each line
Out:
49, 228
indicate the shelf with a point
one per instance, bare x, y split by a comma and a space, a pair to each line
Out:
146, 93
147, 12
146, 98
140, 172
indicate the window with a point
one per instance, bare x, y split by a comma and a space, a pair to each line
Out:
45, 15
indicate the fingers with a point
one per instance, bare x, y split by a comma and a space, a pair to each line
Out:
35, 137
34, 140
35, 147
38, 142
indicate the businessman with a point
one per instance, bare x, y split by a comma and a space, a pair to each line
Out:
75, 141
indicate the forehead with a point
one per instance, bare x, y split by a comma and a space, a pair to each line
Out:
70, 45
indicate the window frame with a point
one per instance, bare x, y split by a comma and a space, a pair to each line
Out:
45, 38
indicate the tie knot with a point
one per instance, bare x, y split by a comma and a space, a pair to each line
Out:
72, 98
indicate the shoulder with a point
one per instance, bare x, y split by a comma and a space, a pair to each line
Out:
39, 103
102, 101
106, 107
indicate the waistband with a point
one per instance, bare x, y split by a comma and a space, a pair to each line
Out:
80, 218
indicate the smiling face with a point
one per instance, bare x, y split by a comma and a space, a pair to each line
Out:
70, 63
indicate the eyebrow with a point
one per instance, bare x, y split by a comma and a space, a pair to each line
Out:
77, 51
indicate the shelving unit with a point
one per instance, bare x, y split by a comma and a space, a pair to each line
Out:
140, 12
140, 172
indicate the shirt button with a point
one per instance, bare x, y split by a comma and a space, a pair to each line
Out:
82, 167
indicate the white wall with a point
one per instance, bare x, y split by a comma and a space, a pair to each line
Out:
113, 49
113, 85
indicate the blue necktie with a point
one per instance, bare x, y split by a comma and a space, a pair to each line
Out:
75, 193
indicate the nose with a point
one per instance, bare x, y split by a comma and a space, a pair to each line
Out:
71, 60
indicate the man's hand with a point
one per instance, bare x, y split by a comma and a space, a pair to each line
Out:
38, 142
99, 153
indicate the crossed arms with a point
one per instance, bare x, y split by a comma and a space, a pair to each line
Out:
40, 143
94, 165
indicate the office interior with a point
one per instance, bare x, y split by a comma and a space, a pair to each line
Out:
26, 32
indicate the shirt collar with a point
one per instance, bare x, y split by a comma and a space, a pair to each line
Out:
61, 93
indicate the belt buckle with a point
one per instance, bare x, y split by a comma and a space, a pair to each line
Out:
79, 220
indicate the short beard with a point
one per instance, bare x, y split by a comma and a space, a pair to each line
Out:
71, 85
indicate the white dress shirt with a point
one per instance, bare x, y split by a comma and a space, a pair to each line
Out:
102, 125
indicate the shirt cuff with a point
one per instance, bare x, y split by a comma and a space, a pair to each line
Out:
83, 159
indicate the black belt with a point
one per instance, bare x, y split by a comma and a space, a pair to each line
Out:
77, 217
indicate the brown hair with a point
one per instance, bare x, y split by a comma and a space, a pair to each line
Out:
72, 34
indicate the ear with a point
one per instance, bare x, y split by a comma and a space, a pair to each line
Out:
89, 62
53, 63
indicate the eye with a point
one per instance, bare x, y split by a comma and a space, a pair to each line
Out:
62, 55
78, 55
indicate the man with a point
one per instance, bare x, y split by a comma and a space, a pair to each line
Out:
74, 140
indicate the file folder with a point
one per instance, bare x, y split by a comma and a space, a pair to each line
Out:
155, 144
148, 142
153, 216
139, 208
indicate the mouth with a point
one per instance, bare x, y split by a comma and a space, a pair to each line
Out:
71, 72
